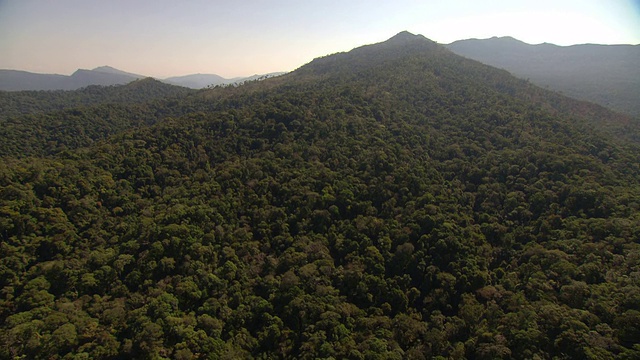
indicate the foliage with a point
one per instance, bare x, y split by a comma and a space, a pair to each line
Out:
15, 103
402, 207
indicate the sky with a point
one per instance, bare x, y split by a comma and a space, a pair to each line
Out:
232, 38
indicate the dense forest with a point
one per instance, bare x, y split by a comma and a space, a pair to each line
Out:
15, 103
394, 202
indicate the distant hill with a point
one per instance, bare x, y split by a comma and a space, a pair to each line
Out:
82, 78
200, 81
16, 80
605, 74
111, 70
16, 103
197, 81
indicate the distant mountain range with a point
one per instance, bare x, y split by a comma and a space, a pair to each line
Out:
608, 75
15, 80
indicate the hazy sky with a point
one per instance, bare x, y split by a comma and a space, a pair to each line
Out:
231, 38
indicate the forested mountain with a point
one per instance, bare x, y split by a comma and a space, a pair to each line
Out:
46, 122
605, 74
397, 201
15, 103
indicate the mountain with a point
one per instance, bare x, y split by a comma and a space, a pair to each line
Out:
104, 76
111, 70
197, 81
16, 103
394, 201
201, 81
12, 80
604, 74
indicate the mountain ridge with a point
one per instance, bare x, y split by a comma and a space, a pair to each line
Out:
19, 80
604, 74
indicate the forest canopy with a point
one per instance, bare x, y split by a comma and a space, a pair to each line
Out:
393, 202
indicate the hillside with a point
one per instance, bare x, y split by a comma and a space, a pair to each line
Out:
605, 74
396, 201
46, 122
15, 103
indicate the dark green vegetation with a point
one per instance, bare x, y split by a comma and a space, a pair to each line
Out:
397, 201
605, 74
48, 122
13, 104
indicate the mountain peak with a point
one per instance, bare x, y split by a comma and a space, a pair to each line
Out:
111, 70
106, 68
504, 38
364, 57
144, 82
405, 36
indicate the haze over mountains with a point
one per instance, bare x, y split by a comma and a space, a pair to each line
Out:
608, 75
14, 80
605, 74
397, 201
